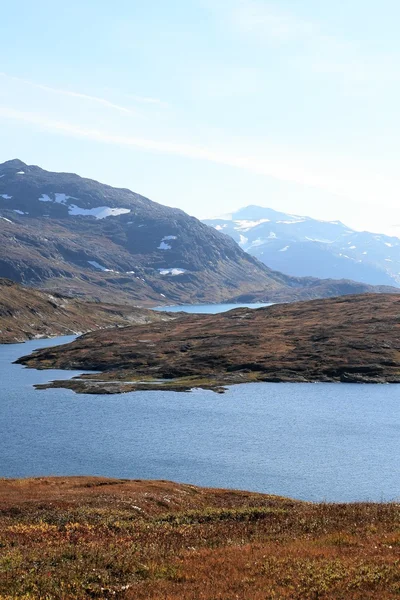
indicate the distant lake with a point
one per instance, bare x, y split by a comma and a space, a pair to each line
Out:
208, 308
333, 442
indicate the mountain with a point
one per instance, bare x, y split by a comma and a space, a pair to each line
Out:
303, 247
80, 237
26, 313
355, 339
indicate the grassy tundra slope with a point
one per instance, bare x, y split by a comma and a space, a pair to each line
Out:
26, 313
76, 538
350, 339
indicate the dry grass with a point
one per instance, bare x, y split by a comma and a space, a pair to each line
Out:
75, 538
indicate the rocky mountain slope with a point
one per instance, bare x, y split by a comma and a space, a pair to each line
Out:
79, 237
302, 246
26, 313
351, 339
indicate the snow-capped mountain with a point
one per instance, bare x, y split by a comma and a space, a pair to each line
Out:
59, 231
302, 246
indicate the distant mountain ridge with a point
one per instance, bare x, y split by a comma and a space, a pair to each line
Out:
305, 247
62, 232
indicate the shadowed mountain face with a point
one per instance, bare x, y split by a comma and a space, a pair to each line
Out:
61, 232
302, 247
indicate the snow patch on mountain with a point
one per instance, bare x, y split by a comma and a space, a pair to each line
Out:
247, 225
5, 196
100, 267
172, 271
257, 242
292, 222
163, 244
100, 212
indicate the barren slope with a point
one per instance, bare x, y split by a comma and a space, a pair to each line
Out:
26, 313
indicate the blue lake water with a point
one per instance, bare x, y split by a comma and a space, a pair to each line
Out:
208, 308
312, 441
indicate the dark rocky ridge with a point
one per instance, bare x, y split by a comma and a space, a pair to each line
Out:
26, 313
46, 242
351, 339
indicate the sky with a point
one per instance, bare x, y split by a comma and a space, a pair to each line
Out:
212, 105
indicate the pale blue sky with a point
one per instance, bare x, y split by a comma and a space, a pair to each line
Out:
210, 105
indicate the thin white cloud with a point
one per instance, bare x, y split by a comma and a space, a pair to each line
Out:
277, 168
71, 94
253, 16
145, 99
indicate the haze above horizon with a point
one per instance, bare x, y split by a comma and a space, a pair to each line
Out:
212, 106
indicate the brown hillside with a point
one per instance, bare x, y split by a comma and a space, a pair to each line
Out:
349, 339
80, 538
26, 313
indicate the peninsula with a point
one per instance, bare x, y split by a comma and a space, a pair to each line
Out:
353, 339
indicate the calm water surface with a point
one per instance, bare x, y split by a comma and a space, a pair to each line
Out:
208, 308
312, 441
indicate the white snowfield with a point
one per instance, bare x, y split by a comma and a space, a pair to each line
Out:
247, 225
163, 245
293, 222
20, 212
99, 212
100, 267
5, 196
172, 271
4, 219
258, 242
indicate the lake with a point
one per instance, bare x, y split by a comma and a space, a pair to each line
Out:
208, 308
333, 442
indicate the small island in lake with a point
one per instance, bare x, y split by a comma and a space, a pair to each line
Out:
352, 339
